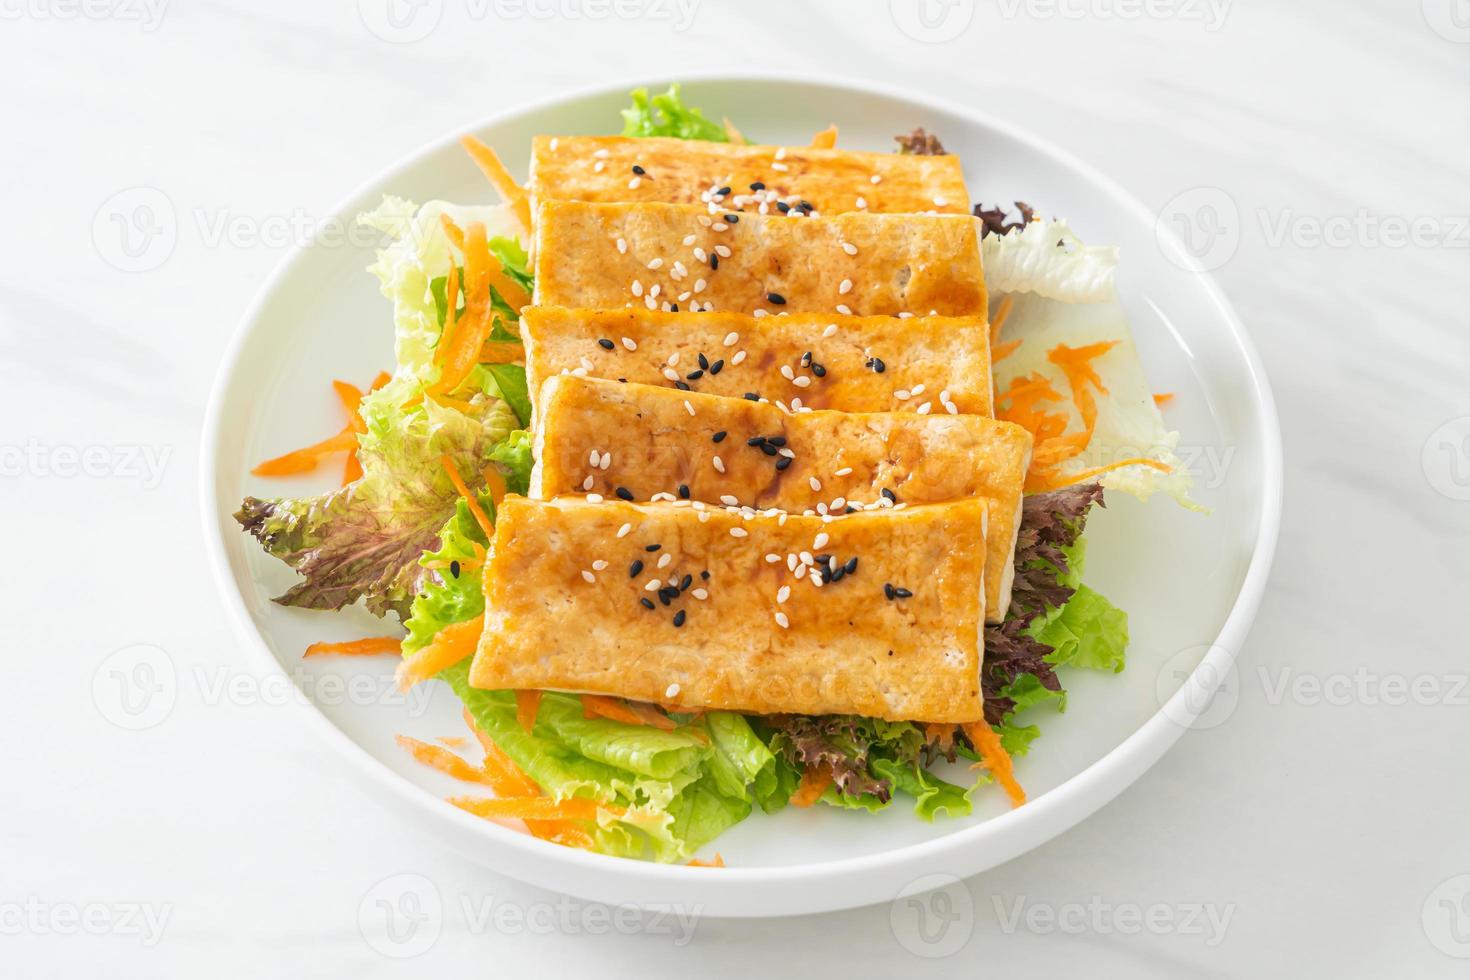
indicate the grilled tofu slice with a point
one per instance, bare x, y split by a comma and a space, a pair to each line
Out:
753, 634
867, 363
665, 255
659, 443
732, 177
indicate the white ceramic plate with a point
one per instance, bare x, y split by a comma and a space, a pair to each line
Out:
1190, 583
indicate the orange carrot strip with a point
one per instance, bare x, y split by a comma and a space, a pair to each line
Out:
505, 185
1037, 482
383, 378
814, 782
718, 862
650, 715
998, 322
453, 643
350, 395
452, 231
494, 484
474, 504
351, 470
1163, 398
599, 706
502, 352
826, 139
508, 779
458, 351
453, 741
305, 460
357, 648
995, 758
442, 759
561, 832
533, 807
1002, 351
528, 704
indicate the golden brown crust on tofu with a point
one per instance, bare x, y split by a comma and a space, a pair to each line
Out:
940, 353
661, 441
845, 648
866, 264
676, 171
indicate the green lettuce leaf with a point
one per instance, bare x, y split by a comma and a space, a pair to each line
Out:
510, 383
666, 115
513, 456
1089, 631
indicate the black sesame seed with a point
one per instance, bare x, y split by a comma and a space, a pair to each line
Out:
685, 582
652, 547
639, 170
758, 186
751, 396
682, 386
851, 565
679, 618
877, 365
683, 491
664, 597
889, 494
622, 381
645, 603
704, 574
783, 462
777, 440
755, 441
888, 591
673, 307
776, 298
903, 593
782, 206
668, 593
717, 367
624, 493
819, 370
723, 192
768, 449
703, 362
606, 344
806, 359
714, 261
806, 206
719, 436
695, 375
454, 569
734, 219
850, 509
836, 575
635, 569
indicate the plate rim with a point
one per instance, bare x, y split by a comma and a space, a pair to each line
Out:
744, 892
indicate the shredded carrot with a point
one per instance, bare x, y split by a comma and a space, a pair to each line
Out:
305, 460
351, 470
452, 644
826, 139
460, 342
534, 807
505, 185
998, 322
453, 741
1002, 351
995, 758
814, 782
627, 712
494, 485
452, 231
528, 705
1055, 481
474, 504
502, 352
442, 759
507, 780
357, 648
350, 395
718, 862
1163, 398
650, 715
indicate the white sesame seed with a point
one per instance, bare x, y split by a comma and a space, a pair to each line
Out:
905, 315
729, 501
599, 166
902, 394
844, 287
633, 184
629, 343
671, 374
636, 288
688, 239
862, 203
623, 531
830, 329
782, 168
816, 578
654, 585
688, 407
849, 248
719, 464
780, 153
839, 504
820, 541
791, 563
940, 202
655, 263
844, 471
554, 143
783, 593
786, 372
654, 291
650, 302
739, 532
685, 295
731, 339
703, 516
593, 458
665, 560
787, 452
822, 509
844, 309
588, 576
622, 246
680, 270
600, 154
951, 408
594, 498
723, 251
782, 621
700, 594
876, 178
924, 408
704, 220
918, 389
662, 495
718, 226
760, 313
672, 691
587, 483
772, 558
739, 356
815, 483
599, 565
699, 285
801, 382
701, 255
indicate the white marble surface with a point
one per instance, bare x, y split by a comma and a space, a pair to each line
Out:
1320, 824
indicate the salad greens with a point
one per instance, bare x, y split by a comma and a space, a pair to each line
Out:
402, 539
